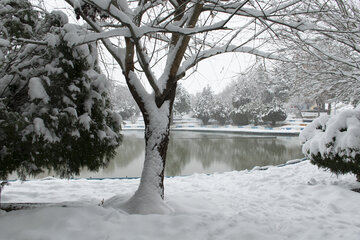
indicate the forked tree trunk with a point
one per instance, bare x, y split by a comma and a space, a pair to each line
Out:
150, 194
156, 110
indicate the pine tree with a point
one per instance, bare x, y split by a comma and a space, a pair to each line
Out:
242, 101
221, 111
182, 100
204, 105
258, 97
274, 114
55, 111
124, 103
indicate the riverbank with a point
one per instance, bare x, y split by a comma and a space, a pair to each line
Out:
297, 201
285, 130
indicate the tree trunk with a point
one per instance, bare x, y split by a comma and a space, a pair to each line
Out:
149, 196
205, 120
156, 142
329, 109
0, 195
273, 123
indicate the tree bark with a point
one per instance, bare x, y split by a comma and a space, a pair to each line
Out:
148, 198
150, 194
156, 143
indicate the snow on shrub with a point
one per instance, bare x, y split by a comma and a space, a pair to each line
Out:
204, 105
275, 114
55, 110
221, 112
240, 116
334, 142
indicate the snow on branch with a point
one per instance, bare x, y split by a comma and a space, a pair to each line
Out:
91, 37
24, 40
124, 16
178, 46
145, 64
196, 58
171, 28
181, 32
116, 52
273, 14
233, 8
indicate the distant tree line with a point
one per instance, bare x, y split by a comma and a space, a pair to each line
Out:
253, 98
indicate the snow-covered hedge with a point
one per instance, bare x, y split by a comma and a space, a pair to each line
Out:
334, 142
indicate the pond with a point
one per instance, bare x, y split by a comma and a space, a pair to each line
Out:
191, 152
194, 152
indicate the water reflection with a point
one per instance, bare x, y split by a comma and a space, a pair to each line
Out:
230, 152
202, 153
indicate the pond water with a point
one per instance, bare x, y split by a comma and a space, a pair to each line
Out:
194, 152
191, 152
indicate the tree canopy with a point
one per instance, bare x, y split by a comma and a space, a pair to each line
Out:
324, 65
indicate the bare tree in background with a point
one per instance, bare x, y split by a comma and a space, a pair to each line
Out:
156, 42
326, 59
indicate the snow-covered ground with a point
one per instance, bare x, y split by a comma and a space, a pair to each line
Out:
297, 201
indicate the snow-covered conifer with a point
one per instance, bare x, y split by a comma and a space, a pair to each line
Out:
257, 96
204, 105
245, 102
54, 108
274, 114
124, 103
182, 103
221, 111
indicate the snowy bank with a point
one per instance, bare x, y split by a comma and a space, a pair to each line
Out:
253, 130
297, 201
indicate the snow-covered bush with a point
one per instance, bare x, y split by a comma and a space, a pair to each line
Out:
241, 99
182, 103
247, 101
124, 103
256, 97
240, 117
55, 111
221, 112
275, 114
128, 112
334, 142
204, 105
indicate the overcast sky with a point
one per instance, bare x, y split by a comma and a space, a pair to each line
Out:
216, 71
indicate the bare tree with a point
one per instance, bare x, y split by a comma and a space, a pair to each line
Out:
326, 59
156, 42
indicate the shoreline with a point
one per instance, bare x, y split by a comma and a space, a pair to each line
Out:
254, 130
